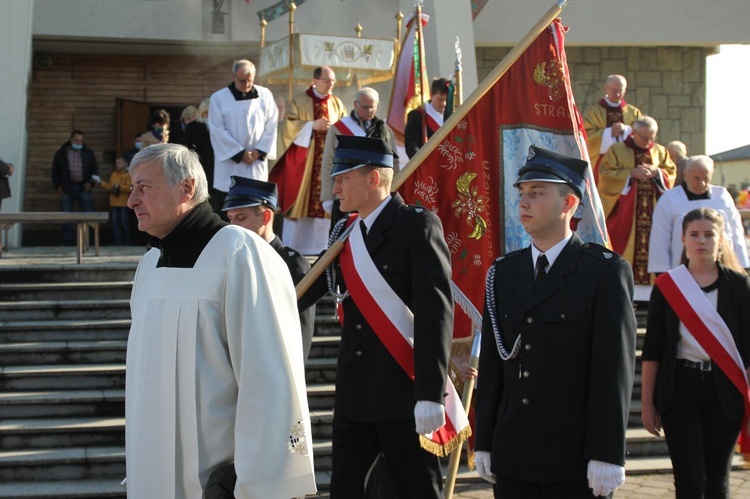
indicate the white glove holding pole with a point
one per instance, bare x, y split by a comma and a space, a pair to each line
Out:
429, 416
483, 462
605, 478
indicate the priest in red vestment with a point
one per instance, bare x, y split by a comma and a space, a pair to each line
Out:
632, 176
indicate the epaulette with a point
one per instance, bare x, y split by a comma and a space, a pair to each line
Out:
601, 252
508, 256
417, 210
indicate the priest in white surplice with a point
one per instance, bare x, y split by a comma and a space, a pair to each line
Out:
242, 121
214, 365
695, 191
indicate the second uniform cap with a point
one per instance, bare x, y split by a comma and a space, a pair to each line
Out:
547, 166
245, 192
354, 152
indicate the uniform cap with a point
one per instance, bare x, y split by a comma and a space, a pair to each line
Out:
354, 152
547, 166
245, 192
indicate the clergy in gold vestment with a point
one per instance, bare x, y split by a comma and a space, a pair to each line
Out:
608, 121
303, 134
632, 176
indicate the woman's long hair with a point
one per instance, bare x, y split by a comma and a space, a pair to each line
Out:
726, 253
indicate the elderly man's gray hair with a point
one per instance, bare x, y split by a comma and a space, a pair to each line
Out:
178, 163
244, 64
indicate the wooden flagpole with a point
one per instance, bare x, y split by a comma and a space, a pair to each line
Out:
442, 132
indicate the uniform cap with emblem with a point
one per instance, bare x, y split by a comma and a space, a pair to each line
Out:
246, 192
547, 166
354, 152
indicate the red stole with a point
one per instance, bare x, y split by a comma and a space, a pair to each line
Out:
320, 110
706, 325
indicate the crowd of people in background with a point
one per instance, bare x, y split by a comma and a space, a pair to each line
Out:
673, 232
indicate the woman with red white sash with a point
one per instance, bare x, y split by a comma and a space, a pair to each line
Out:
695, 358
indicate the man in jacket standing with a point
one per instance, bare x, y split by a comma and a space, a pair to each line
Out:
74, 174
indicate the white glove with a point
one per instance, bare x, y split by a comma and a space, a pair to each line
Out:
327, 205
96, 178
483, 462
604, 478
429, 416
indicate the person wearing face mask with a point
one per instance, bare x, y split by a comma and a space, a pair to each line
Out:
158, 129
137, 146
74, 174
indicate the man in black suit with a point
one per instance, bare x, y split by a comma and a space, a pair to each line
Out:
251, 204
431, 114
378, 406
558, 350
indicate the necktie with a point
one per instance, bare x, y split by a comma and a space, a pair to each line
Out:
541, 269
363, 226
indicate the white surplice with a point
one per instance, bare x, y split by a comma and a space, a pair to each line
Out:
665, 241
237, 125
215, 374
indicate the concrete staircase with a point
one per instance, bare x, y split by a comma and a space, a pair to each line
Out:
63, 333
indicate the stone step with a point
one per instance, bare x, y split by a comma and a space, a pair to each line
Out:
59, 377
320, 370
64, 310
42, 433
639, 442
72, 463
63, 352
108, 290
325, 346
67, 489
320, 396
62, 403
87, 272
78, 330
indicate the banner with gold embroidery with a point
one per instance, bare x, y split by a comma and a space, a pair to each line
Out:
468, 179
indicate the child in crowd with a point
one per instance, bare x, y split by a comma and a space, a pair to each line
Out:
119, 188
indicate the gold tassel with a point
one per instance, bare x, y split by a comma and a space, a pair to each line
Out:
447, 448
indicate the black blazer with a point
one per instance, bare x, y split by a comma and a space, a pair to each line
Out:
413, 138
663, 334
298, 267
406, 244
565, 398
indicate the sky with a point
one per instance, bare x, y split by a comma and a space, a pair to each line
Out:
727, 108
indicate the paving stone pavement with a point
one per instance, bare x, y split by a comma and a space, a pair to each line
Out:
636, 486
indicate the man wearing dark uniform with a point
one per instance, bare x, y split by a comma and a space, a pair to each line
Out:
558, 350
251, 204
395, 262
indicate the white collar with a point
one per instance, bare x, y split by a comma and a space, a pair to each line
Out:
317, 94
370, 219
551, 253
612, 104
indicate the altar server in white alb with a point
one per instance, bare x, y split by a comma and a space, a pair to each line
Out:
242, 121
695, 191
214, 365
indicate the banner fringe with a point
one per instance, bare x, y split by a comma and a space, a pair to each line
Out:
446, 449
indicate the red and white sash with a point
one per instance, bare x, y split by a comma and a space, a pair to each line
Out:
347, 126
434, 118
393, 323
706, 325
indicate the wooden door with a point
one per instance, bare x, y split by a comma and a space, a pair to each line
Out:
131, 118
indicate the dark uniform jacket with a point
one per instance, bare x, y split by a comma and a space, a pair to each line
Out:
298, 267
61, 170
407, 246
564, 400
663, 334
413, 139
4, 182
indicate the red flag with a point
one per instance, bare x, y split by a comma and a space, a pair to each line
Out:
407, 91
468, 178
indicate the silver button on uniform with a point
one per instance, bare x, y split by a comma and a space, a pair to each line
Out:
530, 320
525, 401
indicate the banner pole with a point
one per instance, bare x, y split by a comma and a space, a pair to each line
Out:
554, 11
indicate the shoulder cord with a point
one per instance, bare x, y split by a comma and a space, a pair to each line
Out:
492, 310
